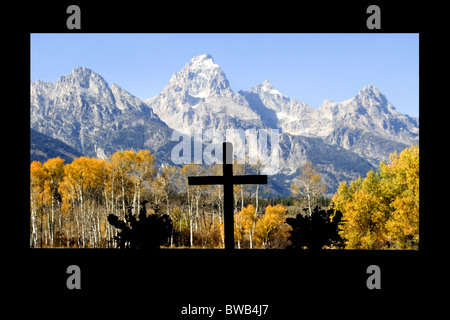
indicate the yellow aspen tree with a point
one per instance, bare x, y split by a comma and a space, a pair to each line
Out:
164, 184
85, 178
247, 218
217, 198
365, 212
142, 169
54, 169
37, 182
309, 185
193, 193
382, 210
401, 184
121, 162
269, 224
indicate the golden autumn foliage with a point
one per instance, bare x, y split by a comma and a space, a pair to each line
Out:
245, 221
271, 227
267, 230
382, 210
71, 201
401, 178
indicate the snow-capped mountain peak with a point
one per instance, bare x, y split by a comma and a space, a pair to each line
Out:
199, 94
371, 95
266, 85
199, 79
267, 88
369, 90
204, 61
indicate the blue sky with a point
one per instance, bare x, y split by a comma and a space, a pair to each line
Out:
308, 67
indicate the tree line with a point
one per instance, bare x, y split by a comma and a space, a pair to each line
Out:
70, 204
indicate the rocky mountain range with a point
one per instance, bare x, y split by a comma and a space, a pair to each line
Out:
343, 139
83, 111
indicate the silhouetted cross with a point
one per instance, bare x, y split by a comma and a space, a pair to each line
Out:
228, 180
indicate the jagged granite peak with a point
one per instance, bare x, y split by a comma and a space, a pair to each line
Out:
264, 86
85, 78
126, 102
367, 124
273, 98
81, 110
200, 78
267, 87
277, 108
200, 95
371, 91
203, 61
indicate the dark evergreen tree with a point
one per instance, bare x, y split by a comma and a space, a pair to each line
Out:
316, 230
143, 232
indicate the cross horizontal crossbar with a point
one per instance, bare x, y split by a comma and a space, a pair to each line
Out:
228, 180
205, 180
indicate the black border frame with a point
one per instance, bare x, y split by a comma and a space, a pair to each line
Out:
292, 283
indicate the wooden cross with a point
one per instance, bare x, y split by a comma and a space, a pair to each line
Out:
228, 180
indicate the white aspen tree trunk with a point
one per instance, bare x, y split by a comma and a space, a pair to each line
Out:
60, 216
242, 198
83, 220
33, 239
134, 198
191, 236
257, 200
51, 221
33, 229
197, 196
139, 198
237, 228
107, 202
99, 231
309, 203
167, 204
46, 236
123, 198
77, 221
112, 192
91, 228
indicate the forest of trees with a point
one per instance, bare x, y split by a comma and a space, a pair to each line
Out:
381, 211
70, 203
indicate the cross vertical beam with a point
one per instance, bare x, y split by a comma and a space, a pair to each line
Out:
228, 180
228, 195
